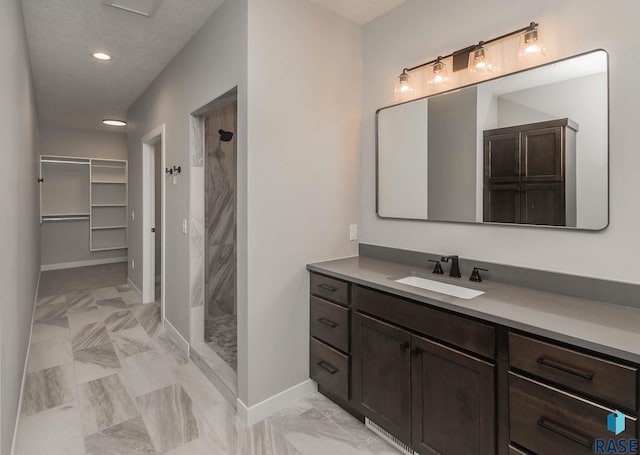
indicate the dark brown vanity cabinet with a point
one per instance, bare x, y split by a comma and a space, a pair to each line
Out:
381, 373
448, 384
329, 346
435, 398
529, 174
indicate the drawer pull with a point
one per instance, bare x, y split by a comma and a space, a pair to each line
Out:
325, 366
326, 287
565, 368
327, 322
565, 432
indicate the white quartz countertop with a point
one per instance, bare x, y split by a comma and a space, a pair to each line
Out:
598, 326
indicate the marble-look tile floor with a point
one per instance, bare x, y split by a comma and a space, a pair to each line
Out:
104, 378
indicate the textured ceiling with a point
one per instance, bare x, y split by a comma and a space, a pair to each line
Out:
360, 11
75, 90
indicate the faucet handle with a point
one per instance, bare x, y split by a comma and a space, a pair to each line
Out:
437, 269
475, 274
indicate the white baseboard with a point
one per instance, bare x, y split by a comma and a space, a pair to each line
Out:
254, 414
176, 337
130, 283
73, 265
24, 371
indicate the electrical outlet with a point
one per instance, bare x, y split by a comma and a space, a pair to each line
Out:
175, 180
353, 232
184, 225
133, 264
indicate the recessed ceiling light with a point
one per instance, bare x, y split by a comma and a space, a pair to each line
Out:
113, 122
101, 56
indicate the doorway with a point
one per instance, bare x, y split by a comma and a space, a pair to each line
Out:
153, 218
220, 166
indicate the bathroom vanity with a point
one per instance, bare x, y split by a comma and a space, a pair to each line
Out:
511, 371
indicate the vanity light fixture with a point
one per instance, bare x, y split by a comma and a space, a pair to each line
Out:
476, 59
439, 73
480, 63
530, 43
114, 122
101, 56
403, 87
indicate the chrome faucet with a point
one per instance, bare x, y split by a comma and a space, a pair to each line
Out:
455, 266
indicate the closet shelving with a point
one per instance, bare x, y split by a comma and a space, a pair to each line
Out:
86, 190
108, 205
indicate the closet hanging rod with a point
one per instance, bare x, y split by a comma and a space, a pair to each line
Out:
68, 218
65, 162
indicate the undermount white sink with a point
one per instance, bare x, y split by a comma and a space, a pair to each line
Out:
437, 286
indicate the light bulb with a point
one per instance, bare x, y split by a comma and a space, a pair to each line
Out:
480, 62
531, 47
439, 73
403, 89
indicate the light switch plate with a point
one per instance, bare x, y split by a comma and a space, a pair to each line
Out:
184, 225
353, 232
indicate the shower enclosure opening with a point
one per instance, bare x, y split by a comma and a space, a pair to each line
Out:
220, 171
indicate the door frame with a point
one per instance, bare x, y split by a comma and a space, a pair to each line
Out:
149, 141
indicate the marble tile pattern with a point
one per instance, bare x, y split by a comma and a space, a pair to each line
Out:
221, 334
106, 402
220, 213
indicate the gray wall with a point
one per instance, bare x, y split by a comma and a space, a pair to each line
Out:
297, 180
305, 68
213, 62
64, 242
19, 205
452, 156
418, 31
82, 142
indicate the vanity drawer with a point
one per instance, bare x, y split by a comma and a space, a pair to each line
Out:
330, 323
329, 368
599, 378
548, 421
458, 331
329, 288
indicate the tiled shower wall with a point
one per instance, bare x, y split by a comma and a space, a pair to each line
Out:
220, 213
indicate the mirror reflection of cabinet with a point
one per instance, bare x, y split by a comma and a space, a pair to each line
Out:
529, 174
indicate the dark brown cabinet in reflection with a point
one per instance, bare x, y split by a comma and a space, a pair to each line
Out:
529, 174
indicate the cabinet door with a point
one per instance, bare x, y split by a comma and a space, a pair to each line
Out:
542, 154
453, 401
381, 373
502, 203
543, 203
502, 158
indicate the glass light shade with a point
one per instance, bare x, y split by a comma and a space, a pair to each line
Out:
480, 63
403, 89
531, 47
438, 74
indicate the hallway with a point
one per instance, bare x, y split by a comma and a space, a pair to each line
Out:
104, 378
